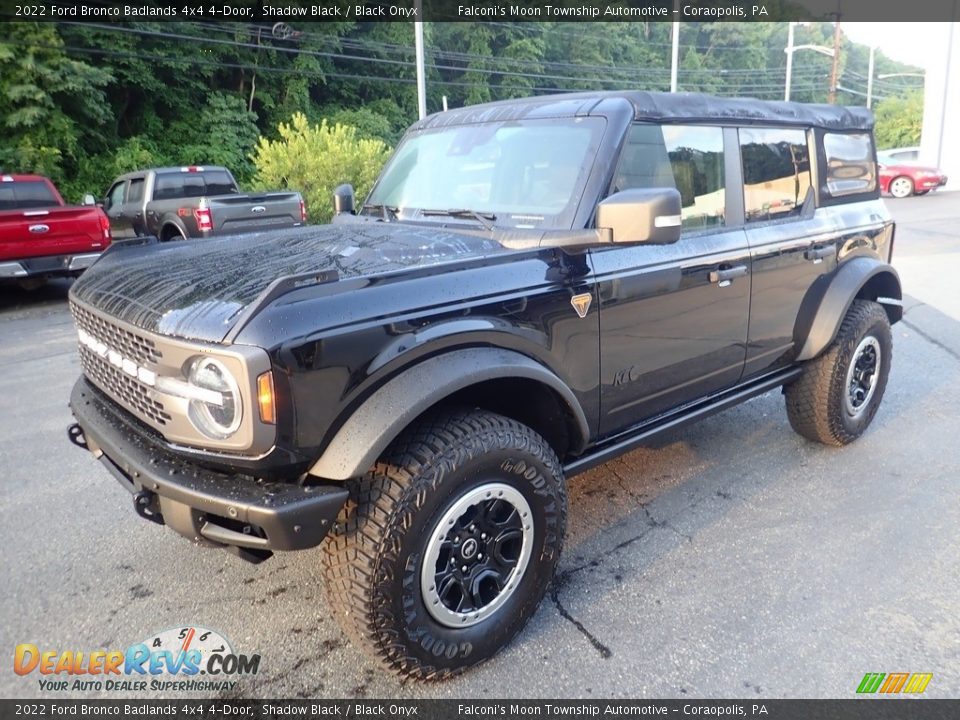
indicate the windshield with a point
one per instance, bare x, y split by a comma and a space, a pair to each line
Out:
527, 173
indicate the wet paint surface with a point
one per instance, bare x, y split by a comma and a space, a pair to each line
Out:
197, 290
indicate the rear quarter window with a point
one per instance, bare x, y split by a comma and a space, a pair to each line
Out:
850, 168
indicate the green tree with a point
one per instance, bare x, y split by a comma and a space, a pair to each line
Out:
49, 101
899, 120
314, 159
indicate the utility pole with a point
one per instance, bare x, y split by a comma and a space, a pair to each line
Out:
873, 51
835, 70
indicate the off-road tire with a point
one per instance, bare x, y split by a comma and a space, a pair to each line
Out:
815, 400
373, 557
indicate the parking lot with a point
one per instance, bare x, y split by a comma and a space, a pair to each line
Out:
730, 559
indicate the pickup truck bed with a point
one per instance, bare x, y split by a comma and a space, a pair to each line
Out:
195, 202
42, 237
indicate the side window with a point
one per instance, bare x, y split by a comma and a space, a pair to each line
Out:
850, 166
115, 196
776, 172
135, 194
687, 157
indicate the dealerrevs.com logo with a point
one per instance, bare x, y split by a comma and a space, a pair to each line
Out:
187, 659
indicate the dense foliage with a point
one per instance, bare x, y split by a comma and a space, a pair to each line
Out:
899, 119
315, 159
84, 102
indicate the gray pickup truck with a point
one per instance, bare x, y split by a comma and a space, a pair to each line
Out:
177, 203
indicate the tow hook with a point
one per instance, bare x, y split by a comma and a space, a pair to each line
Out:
76, 436
146, 506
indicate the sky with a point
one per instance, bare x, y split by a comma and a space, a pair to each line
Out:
917, 43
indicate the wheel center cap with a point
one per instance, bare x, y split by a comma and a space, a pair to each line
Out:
468, 549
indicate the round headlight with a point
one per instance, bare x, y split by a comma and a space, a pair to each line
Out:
213, 419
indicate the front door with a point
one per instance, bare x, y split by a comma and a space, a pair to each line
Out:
674, 318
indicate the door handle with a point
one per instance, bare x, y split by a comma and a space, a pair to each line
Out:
818, 254
724, 276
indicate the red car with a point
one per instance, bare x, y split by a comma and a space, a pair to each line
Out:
902, 179
41, 236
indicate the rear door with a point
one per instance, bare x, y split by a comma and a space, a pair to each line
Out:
674, 317
791, 244
133, 207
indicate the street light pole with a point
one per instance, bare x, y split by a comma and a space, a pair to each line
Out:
786, 92
675, 54
421, 78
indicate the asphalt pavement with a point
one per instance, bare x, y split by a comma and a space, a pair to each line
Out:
729, 559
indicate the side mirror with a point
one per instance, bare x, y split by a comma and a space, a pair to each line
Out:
343, 200
641, 215
89, 199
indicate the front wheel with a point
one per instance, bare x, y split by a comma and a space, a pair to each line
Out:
901, 187
446, 547
838, 393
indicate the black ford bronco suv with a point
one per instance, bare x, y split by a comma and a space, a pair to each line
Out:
532, 288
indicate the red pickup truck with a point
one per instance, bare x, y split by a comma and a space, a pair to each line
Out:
43, 237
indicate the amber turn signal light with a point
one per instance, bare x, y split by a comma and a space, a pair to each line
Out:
265, 398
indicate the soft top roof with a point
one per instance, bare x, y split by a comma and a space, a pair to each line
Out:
665, 107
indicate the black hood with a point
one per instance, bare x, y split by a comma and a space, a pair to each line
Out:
198, 289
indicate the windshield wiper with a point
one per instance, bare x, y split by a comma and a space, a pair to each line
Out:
387, 212
485, 219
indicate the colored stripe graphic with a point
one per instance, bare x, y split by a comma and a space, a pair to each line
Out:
918, 682
894, 682
870, 682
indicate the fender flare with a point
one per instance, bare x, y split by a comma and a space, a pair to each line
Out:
835, 300
173, 220
390, 409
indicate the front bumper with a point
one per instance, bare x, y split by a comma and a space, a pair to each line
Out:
247, 515
47, 266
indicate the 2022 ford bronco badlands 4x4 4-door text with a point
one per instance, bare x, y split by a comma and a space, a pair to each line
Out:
532, 287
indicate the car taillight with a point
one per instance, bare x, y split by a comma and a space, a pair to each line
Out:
303, 211
204, 219
105, 226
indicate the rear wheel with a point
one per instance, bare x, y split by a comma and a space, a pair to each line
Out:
171, 233
836, 397
446, 547
901, 187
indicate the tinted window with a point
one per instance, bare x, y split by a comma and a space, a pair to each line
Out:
168, 186
687, 157
193, 186
850, 166
135, 194
26, 195
219, 182
776, 172
528, 172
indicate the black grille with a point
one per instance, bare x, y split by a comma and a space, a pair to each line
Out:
141, 350
121, 386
